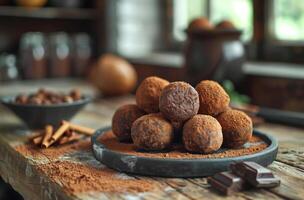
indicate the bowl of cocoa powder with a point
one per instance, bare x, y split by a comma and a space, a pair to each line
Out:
46, 107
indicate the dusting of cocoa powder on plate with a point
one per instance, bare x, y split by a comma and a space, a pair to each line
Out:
78, 178
177, 151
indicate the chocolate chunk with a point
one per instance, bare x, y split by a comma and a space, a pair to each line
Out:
227, 183
255, 174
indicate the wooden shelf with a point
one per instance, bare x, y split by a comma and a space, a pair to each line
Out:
48, 13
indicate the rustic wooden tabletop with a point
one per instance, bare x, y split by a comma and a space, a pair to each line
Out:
32, 172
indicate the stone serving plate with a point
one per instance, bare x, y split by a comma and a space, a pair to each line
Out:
179, 168
37, 116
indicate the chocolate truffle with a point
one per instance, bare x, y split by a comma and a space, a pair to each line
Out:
202, 134
237, 128
213, 98
152, 132
200, 23
148, 92
225, 24
123, 119
179, 102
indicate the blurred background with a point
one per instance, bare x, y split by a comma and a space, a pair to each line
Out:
42, 39
259, 59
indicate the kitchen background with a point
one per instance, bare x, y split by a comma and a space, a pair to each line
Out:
261, 62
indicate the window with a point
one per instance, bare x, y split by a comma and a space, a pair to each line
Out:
183, 12
240, 12
288, 17
273, 30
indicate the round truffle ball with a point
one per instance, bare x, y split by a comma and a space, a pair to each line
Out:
200, 23
237, 128
148, 92
202, 134
178, 102
152, 132
225, 24
123, 119
213, 98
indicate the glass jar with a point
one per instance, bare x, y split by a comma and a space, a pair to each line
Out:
8, 68
33, 55
60, 55
82, 53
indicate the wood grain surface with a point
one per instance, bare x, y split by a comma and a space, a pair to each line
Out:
22, 172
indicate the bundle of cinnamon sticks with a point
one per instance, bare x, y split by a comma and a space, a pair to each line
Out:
66, 133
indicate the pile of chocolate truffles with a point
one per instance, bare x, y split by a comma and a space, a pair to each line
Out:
166, 112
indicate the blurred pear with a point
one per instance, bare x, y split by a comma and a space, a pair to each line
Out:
113, 75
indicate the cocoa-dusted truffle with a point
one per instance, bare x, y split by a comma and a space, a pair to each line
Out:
202, 134
225, 24
200, 23
179, 102
152, 132
123, 119
213, 98
237, 128
148, 92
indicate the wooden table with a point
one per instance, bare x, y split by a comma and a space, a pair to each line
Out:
21, 172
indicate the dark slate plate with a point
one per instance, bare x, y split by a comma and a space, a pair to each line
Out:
178, 168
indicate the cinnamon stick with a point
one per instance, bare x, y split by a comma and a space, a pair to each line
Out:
63, 128
69, 138
81, 129
47, 135
37, 140
36, 134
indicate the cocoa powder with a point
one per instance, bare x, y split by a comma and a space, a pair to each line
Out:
177, 151
78, 178
30, 150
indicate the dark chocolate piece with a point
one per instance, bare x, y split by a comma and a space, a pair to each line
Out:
227, 183
255, 174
